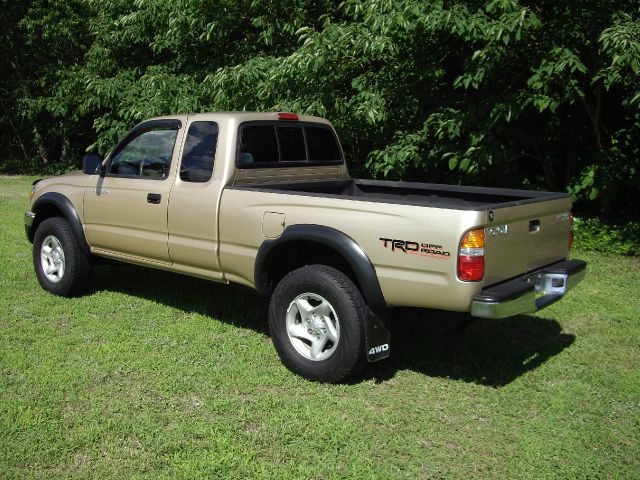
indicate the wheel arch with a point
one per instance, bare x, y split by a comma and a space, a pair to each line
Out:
301, 245
53, 204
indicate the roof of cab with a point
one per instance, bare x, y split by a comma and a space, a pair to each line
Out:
240, 117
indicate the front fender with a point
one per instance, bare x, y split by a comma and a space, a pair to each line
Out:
62, 204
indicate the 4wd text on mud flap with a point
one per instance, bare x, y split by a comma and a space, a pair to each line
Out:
380, 348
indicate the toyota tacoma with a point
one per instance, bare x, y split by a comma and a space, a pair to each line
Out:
265, 200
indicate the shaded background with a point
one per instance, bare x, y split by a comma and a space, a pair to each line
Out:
506, 93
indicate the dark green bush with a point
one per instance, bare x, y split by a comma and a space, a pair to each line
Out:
616, 238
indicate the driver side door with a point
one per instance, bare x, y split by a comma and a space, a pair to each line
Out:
125, 211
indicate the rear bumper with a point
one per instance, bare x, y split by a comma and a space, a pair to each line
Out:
529, 293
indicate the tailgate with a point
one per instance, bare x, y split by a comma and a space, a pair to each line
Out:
526, 237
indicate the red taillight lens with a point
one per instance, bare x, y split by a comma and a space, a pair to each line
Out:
570, 229
471, 256
288, 116
470, 269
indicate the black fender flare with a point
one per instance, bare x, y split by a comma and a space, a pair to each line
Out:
63, 204
334, 239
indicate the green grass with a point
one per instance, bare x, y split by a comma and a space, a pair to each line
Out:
153, 375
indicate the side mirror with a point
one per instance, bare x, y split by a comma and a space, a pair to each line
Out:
92, 164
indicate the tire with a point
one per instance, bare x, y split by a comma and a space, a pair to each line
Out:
60, 265
319, 306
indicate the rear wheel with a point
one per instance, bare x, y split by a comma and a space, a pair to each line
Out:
60, 265
316, 319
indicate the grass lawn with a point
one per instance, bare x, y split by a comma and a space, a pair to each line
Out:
154, 375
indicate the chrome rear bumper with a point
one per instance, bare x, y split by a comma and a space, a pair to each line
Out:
529, 293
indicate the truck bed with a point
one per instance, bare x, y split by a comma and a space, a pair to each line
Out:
534, 226
404, 193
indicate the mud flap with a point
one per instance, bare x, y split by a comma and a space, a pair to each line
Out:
378, 338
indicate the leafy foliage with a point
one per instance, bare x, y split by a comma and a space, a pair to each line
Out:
616, 239
506, 92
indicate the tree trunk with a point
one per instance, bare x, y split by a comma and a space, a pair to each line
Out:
550, 176
63, 151
15, 131
42, 149
594, 114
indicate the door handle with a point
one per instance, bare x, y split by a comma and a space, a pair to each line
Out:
154, 198
534, 226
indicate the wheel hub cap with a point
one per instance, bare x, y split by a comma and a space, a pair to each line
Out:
313, 326
52, 259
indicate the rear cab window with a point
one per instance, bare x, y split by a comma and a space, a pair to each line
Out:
287, 144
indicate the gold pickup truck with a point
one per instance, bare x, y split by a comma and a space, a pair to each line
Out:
266, 200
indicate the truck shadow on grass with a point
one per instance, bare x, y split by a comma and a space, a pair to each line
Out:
232, 304
489, 352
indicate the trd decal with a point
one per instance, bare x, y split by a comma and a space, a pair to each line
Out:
415, 248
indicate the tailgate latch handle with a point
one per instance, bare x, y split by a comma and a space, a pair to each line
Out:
534, 225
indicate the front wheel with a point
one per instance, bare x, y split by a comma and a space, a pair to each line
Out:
317, 320
61, 267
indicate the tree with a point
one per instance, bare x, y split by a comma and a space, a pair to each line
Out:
513, 93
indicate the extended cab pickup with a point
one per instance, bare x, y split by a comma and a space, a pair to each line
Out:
265, 200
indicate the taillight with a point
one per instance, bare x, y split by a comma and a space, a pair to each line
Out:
471, 256
570, 228
288, 116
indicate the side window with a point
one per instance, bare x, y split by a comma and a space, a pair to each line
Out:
199, 152
146, 155
322, 145
259, 145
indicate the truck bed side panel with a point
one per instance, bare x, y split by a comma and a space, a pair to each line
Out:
526, 229
407, 278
